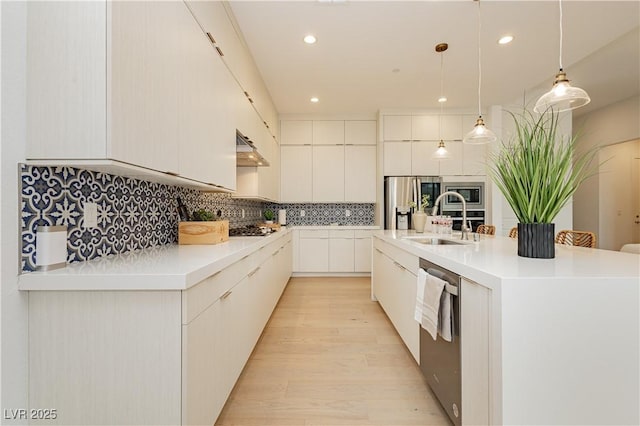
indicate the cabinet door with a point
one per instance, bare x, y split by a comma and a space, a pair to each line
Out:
329, 132
451, 127
362, 253
425, 128
74, 127
296, 132
396, 127
474, 157
397, 159
328, 174
146, 53
452, 165
314, 255
360, 173
475, 332
360, 132
295, 173
422, 163
341, 254
203, 367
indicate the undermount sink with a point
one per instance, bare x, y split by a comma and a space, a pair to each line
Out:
435, 241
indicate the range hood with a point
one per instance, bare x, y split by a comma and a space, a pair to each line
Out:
246, 153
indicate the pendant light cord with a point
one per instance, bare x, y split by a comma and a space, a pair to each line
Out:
560, 60
479, 61
441, 93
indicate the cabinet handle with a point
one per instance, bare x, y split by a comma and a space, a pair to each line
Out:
398, 265
276, 252
226, 294
219, 51
379, 251
172, 173
213, 40
252, 273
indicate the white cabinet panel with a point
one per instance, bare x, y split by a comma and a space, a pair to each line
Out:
451, 127
425, 127
328, 173
329, 132
397, 158
360, 132
295, 173
314, 254
362, 253
422, 163
296, 132
341, 254
360, 174
452, 165
396, 128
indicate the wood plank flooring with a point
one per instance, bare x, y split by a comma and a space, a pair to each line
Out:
330, 356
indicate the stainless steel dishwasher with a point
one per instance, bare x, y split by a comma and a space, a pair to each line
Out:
439, 359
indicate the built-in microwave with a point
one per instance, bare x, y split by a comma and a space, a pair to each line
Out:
473, 193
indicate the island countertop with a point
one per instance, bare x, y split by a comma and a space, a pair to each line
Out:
494, 259
169, 267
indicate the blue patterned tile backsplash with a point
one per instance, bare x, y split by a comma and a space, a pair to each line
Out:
135, 214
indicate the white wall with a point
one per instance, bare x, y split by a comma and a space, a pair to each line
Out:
612, 124
13, 304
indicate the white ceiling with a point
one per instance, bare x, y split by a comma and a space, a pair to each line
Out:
360, 43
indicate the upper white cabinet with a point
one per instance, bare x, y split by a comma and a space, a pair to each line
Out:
410, 141
139, 82
330, 132
360, 132
296, 132
343, 157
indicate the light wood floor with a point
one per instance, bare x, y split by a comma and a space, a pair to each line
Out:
330, 356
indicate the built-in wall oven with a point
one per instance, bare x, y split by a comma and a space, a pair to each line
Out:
474, 196
440, 360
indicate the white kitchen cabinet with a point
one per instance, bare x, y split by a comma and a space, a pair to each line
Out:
362, 250
474, 157
360, 173
422, 162
451, 127
183, 349
341, 250
396, 128
328, 173
328, 132
425, 127
360, 132
314, 251
397, 158
125, 82
296, 132
393, 281
452, 165
295, 174
475, 338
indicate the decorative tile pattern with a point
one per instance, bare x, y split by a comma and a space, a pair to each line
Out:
326, 214
132, 214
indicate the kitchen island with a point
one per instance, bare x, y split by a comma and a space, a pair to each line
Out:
157, 336
544, 341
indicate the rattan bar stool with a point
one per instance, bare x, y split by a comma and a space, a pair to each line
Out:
486, 229
576, 238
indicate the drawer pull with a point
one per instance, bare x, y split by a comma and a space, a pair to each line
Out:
252, 273
398, 265
226, 294
379, 251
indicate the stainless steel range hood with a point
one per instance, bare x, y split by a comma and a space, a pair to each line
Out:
246, 153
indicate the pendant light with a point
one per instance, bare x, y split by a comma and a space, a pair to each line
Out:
480, 133
562, 96
441, 153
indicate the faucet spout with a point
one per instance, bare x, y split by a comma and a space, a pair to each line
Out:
464, 228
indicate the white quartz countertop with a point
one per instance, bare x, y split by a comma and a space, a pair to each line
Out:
494, 259
170, 267
331, 227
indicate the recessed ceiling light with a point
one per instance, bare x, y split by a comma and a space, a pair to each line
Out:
395, 70
442, 99
314, 100
506, 39
310, 39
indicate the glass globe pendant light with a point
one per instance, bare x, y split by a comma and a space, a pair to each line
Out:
480, 133
562, 96
441, 153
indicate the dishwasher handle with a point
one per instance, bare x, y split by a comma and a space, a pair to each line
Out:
451, 283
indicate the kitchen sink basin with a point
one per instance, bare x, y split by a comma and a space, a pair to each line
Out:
436, 241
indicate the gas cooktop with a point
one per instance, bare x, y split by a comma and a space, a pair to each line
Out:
247, 231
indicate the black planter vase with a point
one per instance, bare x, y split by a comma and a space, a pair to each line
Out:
536, 240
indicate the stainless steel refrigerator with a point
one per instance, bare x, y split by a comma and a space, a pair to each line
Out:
400, 191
